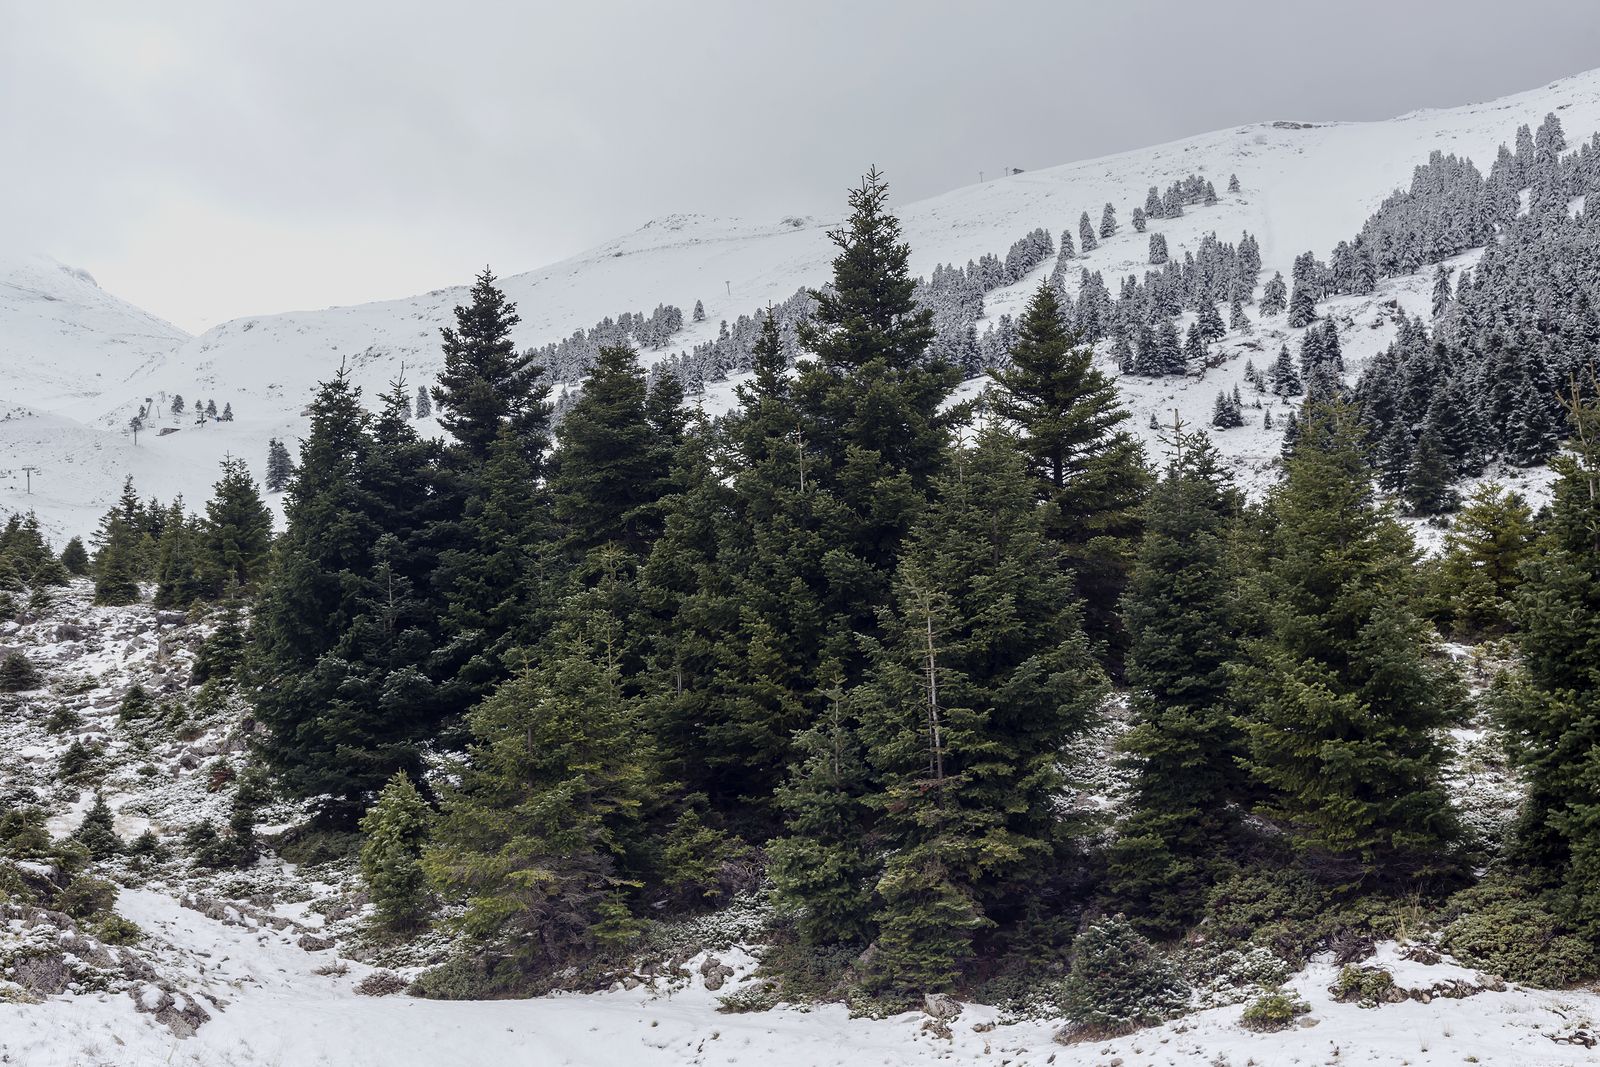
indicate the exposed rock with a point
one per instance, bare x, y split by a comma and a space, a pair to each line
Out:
47, 975
714, 973
312, 943
941, 1006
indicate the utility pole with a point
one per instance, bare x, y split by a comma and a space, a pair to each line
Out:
30, 472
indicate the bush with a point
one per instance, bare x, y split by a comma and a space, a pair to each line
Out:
18, 674
1274, 1011
113, 929
1507, 929
80, 763
757, 996
1367, 986
1119, 982
22, 832
1280, 908
86, 897
136, 703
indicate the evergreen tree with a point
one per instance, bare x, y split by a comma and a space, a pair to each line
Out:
1551, 708
18, 674
1302, 306
543, 837
97, 832
1428, 481
1158, 249
1140, 220
424, 406
981, 676
1086, 238
396, 832
180, 561
75, 558
1090, 471
237, 531
1233, 183
699, 311
1480, 569
280, 468
609, 467
485, 382
119, 559
1346, 701
1441, 290
1108, 221
873, 401
1184, 746
1274, 296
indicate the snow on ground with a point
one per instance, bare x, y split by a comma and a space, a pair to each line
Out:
269, 1006
1304, 186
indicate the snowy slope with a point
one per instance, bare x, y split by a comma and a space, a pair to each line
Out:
1304, 187
64, 341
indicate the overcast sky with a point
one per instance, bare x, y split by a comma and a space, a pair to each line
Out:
214, 159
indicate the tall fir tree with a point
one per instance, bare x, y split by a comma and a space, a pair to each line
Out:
1346, 700
1090, 471
1184, 746
1551, 708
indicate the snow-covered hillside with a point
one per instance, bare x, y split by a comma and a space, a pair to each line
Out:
1304, 186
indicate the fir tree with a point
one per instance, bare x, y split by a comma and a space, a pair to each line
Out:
485, 382
1480, 570
97, 832
1274, 296
280, 468
75, 558
1090, 471
1086, 238
1184, 746
424, 406
1158, 249
119, 559
1346, 702
1549, 709
609, 468
237, 531
396, 832
981, 676
18, 674
1108, 221
542, 838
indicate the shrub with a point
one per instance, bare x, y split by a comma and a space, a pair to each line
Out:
136, 703
61, 719
757, 996
18, 674
86, 897
113, 929
1119, 982
1274, 1011
1280, 908
1367, 986
80, 763
22, 832
1508, 930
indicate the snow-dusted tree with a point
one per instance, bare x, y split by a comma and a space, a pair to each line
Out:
1086, 233
1139, 219
1108, 220
1237, 320
1152, 203
1275, 297
1210, 322
227, 412
177, 404
1441, 290
699, 311
1233, 183
1158, 249
424, 406
280, 468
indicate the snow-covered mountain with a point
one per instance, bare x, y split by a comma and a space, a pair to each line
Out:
1303, 186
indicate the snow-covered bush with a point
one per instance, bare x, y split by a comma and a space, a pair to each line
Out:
1119, 982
